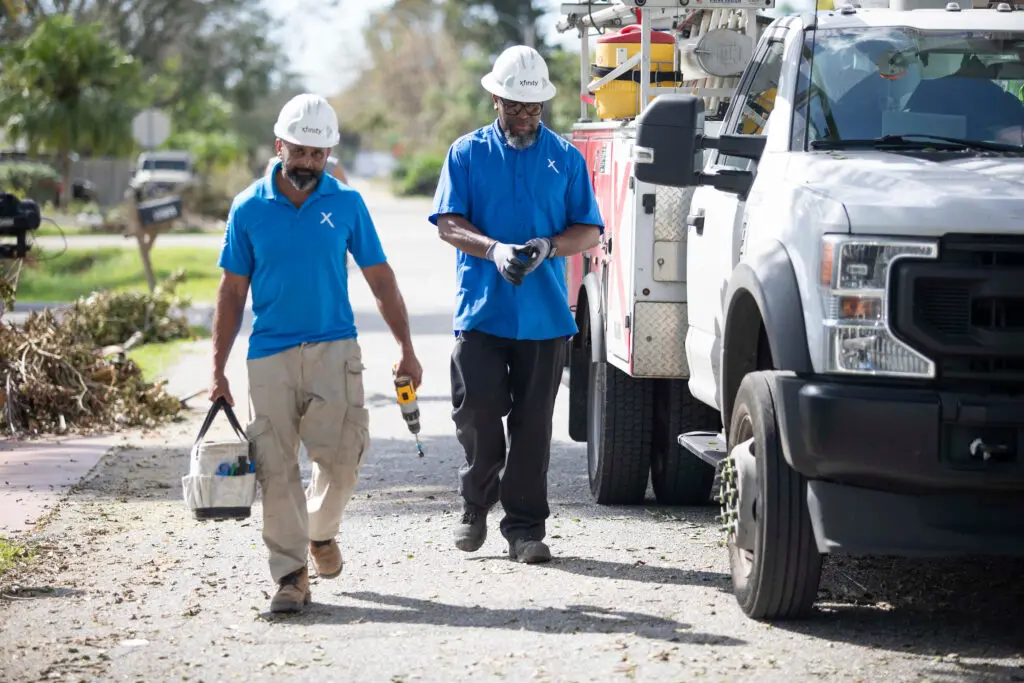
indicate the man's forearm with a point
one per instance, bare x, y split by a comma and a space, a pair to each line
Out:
461, 234
577, 238
227, 319
392, 308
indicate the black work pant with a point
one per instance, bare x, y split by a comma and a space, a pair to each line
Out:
494, 377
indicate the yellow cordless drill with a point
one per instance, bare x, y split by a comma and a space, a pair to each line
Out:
410, 410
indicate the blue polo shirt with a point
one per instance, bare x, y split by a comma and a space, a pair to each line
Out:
296, 260
513, 196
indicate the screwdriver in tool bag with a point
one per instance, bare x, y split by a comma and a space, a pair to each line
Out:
410, 409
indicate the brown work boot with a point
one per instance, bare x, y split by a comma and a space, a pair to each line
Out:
293, 592
326, 558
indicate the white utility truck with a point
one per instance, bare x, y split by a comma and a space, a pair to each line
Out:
853, 291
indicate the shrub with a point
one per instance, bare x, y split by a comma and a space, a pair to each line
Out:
30, 180
417, 174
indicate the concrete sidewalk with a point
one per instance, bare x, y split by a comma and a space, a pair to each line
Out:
35, 475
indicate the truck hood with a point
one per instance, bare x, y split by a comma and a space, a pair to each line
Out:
886, 193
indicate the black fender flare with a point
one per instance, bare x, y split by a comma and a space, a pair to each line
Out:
770, 280
595, 306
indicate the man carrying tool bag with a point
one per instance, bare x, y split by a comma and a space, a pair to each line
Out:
513, 199
288, 235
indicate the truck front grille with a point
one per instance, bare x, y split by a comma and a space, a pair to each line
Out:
965, 310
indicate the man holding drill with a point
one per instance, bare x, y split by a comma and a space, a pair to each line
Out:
288, 234
513, 199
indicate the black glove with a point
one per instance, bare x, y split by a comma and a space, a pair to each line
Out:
507, 258
541, 248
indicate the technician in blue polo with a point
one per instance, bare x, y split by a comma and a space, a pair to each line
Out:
288, 235
513, 198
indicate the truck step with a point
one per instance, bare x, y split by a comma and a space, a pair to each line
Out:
708, 446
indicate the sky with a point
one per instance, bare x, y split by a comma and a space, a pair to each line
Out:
320, 41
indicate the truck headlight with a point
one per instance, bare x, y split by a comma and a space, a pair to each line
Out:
855, 275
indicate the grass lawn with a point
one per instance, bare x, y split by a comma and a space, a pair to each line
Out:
69, 228
11, 554
156, 360
66, 229
78, 272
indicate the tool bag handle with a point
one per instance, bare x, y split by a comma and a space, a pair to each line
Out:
221, 404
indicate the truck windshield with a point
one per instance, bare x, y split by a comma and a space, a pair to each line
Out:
870, 82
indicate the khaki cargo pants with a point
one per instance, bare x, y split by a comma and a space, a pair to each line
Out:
312, 392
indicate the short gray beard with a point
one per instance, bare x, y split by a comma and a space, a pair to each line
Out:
302, 185
520, 141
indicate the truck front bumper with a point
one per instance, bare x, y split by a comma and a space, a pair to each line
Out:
903, 471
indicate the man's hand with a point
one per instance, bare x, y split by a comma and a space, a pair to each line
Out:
409, 366
219, 389
506, 258
542, 247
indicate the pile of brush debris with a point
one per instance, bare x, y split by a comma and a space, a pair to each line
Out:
70, 372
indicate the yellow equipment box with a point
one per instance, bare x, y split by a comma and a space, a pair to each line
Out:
620, 98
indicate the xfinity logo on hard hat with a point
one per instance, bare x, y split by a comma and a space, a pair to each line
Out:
314, 131
532, 83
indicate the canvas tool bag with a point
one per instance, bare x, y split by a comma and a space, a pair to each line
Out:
221, 479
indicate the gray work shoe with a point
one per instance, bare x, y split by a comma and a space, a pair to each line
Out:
471, 532
293, 592
530, 552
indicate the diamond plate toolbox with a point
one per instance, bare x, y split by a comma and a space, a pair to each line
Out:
671, 205
659, 333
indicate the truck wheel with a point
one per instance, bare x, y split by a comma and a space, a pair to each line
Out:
619, 419
679, 477
775, 563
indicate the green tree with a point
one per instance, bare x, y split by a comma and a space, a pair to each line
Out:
67, 88
493, 25
191, 49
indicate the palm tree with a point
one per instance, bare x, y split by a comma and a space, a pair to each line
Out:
65, 88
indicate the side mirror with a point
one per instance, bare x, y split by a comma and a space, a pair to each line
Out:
668, 141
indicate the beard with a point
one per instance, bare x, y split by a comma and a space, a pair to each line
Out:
302, 179
521, 140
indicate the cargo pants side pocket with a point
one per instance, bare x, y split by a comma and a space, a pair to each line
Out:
355, 435
355, 394
264, 449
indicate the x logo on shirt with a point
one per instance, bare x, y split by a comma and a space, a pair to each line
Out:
551, 165
326, 219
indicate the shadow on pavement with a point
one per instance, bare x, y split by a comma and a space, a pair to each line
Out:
642, 573
968, 607
620, 571
395, 609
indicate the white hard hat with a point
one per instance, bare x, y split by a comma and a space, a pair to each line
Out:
308, 120
521, 75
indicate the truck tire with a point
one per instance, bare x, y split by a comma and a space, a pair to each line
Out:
677, 476
619, 419
778, 578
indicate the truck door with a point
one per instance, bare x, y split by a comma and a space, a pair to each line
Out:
715, 225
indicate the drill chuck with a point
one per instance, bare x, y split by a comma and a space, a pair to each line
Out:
411, 415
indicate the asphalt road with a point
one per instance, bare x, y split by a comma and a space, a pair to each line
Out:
130, 588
